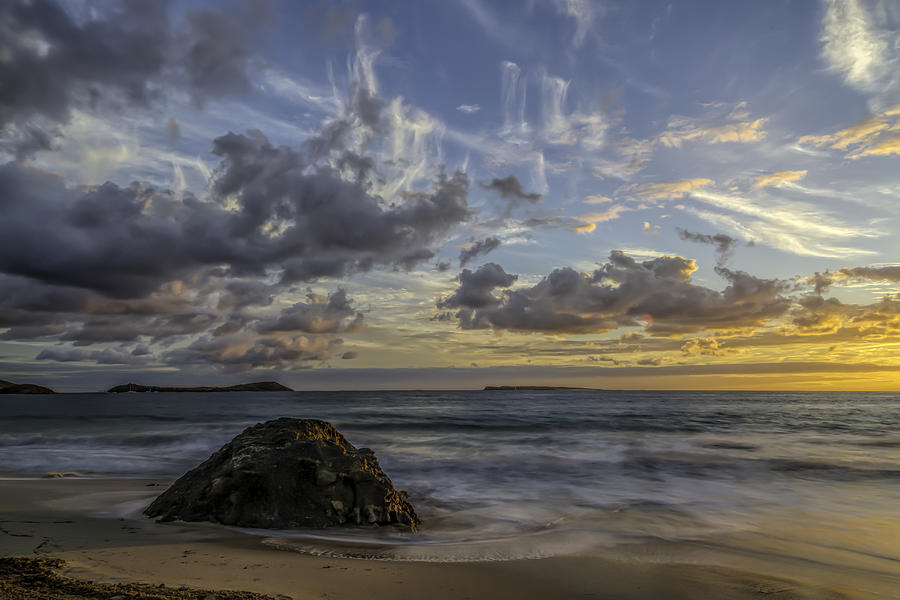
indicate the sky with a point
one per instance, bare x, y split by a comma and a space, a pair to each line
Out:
421, 195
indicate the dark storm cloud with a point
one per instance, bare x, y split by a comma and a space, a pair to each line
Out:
476, 288
108, 356
236, 353
142, 267
822, 281
510, 188
479, 248
873, 273
724, 243
53, 61
336, 227
243, 340
319, 315
239, 294
33, 310
623, 292
59, 56
815, 315
126, 242
218, 49
173, 131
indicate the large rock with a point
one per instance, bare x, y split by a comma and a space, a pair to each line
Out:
287, 473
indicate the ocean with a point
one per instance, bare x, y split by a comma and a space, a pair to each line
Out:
513, 474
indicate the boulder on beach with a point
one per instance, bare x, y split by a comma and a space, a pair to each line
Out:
283, 474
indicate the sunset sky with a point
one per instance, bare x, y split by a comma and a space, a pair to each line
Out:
353, 195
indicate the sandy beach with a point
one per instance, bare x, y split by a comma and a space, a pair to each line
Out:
94, 526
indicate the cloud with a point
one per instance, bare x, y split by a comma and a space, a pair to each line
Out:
733, 126
218, 50
818, 316
127, 241
582, 12
724, 243
479, 248
510, 188
242, 353
780, 221
876, 135
584, 228
856, 46
663, 191
109, 356
476, 288
173, 131
701, 346
153, 330
657, 293
778, 178
468, 108
116, 55
891, 273
821, 281
194, 281
331, 314
884, 147
651, 362
587, 222
512, 98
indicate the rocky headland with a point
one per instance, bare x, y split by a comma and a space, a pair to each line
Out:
284, 474
259, 386
7, 387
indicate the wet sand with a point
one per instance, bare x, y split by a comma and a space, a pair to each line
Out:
93, 525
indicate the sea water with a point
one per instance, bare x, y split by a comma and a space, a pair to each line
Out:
512, 474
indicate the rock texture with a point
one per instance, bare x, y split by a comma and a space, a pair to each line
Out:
287, 473
7, 387
259, 386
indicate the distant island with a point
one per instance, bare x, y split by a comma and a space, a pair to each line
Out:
259, 386
492, 388
8, 387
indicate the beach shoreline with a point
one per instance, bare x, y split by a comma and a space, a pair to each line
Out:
95, 526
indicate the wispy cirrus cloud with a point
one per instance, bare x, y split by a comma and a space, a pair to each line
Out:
656, 192
860, 44
876, 135
725, 124
778, 178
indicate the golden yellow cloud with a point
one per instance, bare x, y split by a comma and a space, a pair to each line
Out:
587, 223
666, 190
876, 135
611, 214
890, 145
681, 130
585, 228
778, 178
